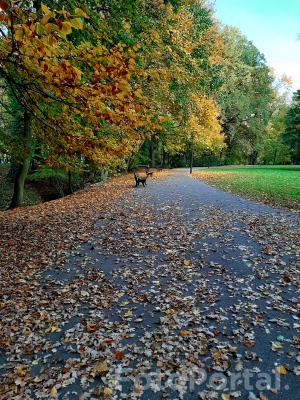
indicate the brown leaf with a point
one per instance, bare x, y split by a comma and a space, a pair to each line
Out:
119, 355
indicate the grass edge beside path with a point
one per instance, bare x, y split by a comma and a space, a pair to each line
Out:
278, 186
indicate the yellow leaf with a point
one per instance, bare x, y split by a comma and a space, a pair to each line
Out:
184, 333
100, 369
217, 354
121, 95
45, 9
19, 34
79, 11
49, 28
107, 392
128, 314
46, 17
66, 29
262, 397
281, 370
225, 396
103, 367
76, 23
39, 378
53, 392
52, 329
186, 263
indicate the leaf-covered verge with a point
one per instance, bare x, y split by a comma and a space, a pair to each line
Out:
33, 239
274, 185
35, 236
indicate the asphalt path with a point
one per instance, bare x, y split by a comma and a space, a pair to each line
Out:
186, 292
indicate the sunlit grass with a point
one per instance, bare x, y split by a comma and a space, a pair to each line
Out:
278, 185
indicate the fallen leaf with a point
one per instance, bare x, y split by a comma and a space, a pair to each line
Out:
119, 355
53, 392
281, 370
100, 369
107, 392
184, 333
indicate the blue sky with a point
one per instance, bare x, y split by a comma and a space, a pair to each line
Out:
273, 26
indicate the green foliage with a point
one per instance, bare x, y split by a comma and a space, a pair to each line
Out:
246, 94
291, 135
142, 157
48, 173
274, 152
271, 148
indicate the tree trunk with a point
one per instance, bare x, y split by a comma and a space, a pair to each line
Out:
152, 153
274, 157
164, 159
191, 158
70, 188
128, 161
186, 159
168, 160
24, 164
13, 168
253, 158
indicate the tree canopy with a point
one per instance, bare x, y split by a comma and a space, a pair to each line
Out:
99, 83
291, 134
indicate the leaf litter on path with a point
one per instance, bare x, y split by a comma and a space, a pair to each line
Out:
165, 286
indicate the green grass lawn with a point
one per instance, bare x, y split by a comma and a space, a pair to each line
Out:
277, 185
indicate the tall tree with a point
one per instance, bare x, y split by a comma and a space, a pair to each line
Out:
292, 132
79, 92
245, 97
182, 67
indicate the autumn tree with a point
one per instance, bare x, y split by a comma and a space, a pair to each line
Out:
77, 96
182, 65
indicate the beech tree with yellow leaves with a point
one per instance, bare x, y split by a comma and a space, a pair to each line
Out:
182, 67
